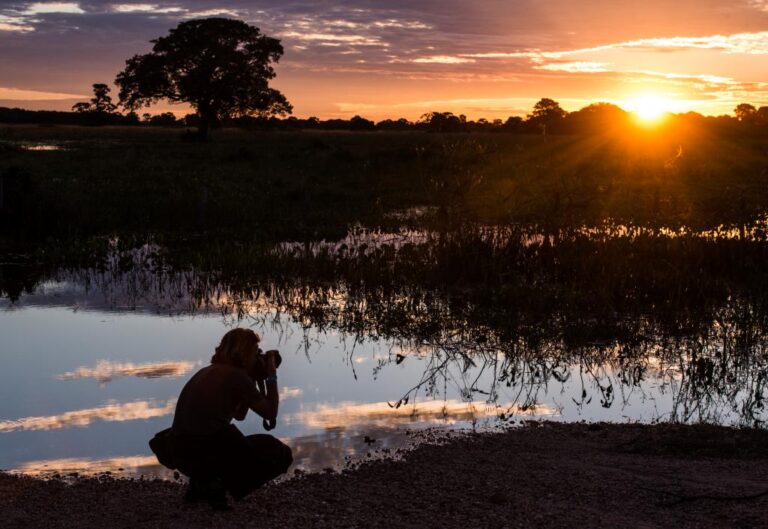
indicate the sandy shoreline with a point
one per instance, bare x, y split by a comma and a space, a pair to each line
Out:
544, 475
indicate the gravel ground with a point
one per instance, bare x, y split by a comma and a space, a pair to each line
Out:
542, 475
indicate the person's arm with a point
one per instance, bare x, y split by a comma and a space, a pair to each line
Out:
267, 407
241, 412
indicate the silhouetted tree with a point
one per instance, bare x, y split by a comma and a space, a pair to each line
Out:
546, 115
443, 122
761, 116
101, 101
744, 112
596, 118
513, 124
222, 67
100, 107
400, 124
360, 123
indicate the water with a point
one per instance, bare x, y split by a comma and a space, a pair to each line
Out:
83, 386
94, 358
86, 386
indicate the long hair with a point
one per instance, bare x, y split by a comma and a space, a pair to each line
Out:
235, 347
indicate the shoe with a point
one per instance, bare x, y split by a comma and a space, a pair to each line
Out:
217, 496
196, 491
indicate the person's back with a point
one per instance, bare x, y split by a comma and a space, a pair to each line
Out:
210, 399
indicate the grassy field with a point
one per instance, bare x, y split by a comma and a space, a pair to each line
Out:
309, 185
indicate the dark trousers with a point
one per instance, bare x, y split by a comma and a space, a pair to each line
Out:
242, 463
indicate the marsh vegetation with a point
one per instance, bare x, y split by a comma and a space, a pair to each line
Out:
594, 263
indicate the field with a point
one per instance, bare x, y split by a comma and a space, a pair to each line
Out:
294, 185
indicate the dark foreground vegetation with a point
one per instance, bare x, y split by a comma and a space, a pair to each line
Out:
309, 185
546, 476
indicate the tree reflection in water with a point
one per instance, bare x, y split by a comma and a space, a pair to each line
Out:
486, 309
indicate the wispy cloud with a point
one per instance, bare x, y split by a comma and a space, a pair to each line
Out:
575, 67
325, 38
146, 8
18, 94
215, 12
39, 8
15, 24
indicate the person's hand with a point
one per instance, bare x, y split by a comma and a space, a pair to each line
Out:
271, 364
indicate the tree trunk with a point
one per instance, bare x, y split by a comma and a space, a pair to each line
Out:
203, 126
207, 116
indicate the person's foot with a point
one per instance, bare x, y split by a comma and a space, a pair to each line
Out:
217, 496
196, 491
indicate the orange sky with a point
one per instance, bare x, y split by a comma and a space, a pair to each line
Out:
489, 59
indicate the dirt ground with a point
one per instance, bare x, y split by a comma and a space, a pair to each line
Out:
542, 475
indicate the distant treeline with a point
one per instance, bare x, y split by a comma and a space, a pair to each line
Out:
547, 117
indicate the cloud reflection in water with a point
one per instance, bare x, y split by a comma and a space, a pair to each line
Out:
105, 370
112, 412
344, 415
131, 465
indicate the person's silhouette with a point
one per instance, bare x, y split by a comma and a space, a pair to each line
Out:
204, 445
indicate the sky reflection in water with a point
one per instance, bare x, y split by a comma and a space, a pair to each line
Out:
86, 383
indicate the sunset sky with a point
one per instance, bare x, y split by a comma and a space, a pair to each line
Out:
489, 58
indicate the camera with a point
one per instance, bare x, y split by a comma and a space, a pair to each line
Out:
260, 368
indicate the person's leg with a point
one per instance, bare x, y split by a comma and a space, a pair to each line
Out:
272, 454
199, 459
260, 458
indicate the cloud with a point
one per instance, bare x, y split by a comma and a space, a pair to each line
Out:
17, 25
215, 12
18, 94
327, 38
39, 8
146, 8
442, 59
575, 67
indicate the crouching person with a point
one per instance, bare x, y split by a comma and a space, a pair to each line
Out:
203, 445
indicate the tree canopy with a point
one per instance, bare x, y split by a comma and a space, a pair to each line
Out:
221, 67
100, 102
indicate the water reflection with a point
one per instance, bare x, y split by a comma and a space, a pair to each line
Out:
127, 465
350, 415
472, 326
112, 412
105, 370
41, 147
331, 449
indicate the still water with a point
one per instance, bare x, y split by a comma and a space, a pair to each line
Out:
85, 387
93, 361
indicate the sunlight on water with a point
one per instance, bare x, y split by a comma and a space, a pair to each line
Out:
42, 147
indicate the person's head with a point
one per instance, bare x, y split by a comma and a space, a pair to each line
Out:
238, 348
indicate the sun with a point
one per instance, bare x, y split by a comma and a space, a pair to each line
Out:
650, 108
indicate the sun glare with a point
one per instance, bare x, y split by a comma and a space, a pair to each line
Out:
650, 108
